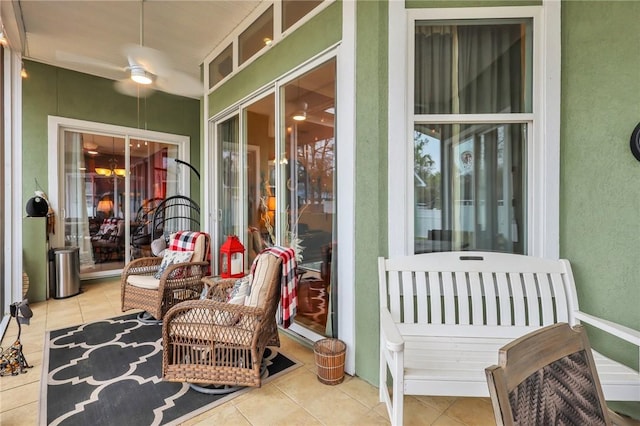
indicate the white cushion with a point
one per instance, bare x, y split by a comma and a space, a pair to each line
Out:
144, 281
172, 257
240, 291
158, 246
266, 271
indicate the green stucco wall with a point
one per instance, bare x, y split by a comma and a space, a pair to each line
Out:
417, 4
55, 91
600, 179
371, 178
320, 33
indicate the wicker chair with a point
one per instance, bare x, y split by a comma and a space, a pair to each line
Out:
212, 342
549, 377
141, 289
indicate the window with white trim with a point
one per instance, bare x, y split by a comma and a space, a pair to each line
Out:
472, 117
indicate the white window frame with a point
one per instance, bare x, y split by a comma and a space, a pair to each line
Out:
543, 130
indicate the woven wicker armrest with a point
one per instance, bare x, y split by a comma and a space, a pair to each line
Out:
219, 288
142, 266
204, 311
184, 270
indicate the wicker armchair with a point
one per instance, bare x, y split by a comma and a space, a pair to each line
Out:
549, 377
212, 342
142, 287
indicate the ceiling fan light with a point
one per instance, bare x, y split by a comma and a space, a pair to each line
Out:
140, 76
300, 116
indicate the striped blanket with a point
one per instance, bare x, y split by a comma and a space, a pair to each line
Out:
288, 293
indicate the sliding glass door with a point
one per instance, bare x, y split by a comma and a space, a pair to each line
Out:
306, 184
109, 184
275, 183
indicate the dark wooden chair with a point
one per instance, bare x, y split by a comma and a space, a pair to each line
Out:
549, 377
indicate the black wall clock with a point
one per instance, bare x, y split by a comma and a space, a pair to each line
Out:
635, 142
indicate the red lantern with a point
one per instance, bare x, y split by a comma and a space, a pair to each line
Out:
232, 258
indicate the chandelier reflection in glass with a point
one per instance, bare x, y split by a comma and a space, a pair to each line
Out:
113, 170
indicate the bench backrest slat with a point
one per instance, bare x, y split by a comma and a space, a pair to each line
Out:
462, 294
422, 296
477, 288
546, 300
435, 304
394, 296
561, 288
490, 301
518, 300
408, 300
477, 307
449, 298
504, 298
533, 298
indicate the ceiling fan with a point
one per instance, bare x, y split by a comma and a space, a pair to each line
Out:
147, 70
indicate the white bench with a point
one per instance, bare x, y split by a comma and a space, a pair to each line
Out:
443, 317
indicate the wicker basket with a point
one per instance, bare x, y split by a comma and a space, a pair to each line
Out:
330, 355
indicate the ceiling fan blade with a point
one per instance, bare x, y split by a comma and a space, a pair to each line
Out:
73, 58
129, 87
152, 60
180, 83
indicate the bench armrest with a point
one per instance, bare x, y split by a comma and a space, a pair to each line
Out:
620, 331
390, 332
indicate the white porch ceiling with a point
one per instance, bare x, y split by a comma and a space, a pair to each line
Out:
185, 31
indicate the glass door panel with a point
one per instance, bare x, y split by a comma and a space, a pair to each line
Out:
153, 177
94, 180
229, 172
307, 179
260, 190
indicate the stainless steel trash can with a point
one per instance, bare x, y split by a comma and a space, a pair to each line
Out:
64, 272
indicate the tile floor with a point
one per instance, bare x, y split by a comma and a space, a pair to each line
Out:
296, 398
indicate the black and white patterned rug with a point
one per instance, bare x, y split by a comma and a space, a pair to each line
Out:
110, 373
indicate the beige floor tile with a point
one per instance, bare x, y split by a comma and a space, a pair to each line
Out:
416, 413
472, 411
19, 396
226, 414
31, 375
67, 321
267, 405
344, 409
445, 420
364, 392
440, 403
21, 416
